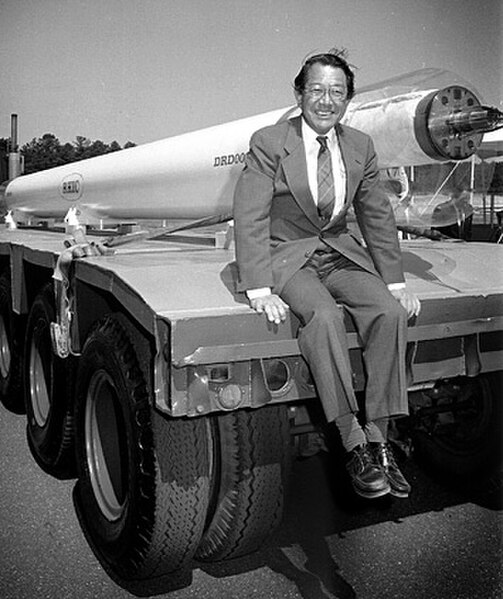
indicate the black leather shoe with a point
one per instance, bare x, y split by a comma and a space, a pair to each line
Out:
383, 455
367, 477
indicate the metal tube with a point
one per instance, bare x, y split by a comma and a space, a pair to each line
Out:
14, 155
13, 133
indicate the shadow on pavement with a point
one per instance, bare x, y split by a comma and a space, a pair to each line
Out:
321, 504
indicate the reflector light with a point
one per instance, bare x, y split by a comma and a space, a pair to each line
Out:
230, 396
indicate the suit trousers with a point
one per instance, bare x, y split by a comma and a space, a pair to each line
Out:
313, 294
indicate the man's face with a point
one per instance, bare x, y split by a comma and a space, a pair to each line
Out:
323, 100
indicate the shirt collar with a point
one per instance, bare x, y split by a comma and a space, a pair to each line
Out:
309, 136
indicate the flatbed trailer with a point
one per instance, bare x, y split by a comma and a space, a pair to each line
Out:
179, 409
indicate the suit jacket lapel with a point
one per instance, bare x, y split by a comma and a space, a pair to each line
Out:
353, 161
295, 170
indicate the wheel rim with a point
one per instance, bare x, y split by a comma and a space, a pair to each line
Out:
39, 394
5, 355
105, 446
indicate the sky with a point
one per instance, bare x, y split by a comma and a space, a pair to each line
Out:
142, 70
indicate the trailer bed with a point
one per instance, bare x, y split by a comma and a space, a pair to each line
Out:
188, 283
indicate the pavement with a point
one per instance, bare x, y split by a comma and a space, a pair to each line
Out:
441, 543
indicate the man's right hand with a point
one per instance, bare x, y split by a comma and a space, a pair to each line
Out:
274, 307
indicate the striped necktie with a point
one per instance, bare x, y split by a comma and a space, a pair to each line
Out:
326, 189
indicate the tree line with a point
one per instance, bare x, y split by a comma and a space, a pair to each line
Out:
47, 151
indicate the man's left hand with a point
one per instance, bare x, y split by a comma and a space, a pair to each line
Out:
408, 300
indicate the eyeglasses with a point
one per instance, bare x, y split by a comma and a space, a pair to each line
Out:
335, 93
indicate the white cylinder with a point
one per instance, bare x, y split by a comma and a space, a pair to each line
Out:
187, 176
193, 175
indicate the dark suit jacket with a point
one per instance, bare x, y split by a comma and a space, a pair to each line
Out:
277, 226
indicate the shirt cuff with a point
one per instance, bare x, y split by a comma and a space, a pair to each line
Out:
260, 292
396, 286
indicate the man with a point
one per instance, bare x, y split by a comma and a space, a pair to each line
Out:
294, 251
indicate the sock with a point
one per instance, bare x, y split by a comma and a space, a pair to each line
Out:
377, 431
350, 431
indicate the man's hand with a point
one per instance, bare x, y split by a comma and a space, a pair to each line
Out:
274, 307
408, 300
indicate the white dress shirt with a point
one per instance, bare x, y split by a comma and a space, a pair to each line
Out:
312, 148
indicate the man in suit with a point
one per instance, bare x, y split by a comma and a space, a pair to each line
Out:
294, 251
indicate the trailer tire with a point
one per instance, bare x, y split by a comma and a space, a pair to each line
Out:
252, 462
464, 445
143, 486
48, 381
11, 343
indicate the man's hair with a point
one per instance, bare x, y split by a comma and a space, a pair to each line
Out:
333, 58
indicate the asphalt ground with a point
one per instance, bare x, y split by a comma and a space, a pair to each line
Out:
440, 543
